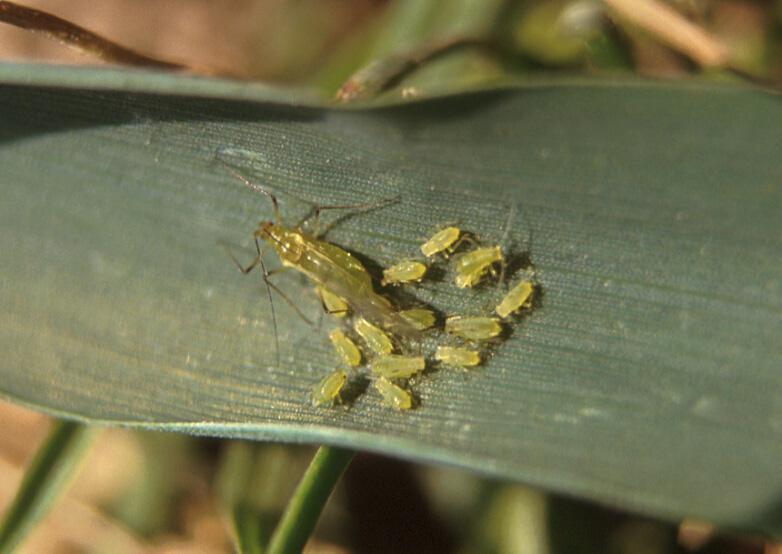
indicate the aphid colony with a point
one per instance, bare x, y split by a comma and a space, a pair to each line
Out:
375, 333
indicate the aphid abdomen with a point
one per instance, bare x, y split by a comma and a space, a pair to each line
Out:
343, 275
333, 268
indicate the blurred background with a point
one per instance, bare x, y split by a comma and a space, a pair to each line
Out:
150, 492
320, 43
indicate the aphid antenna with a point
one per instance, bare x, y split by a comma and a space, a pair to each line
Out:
524, 257
504, 240
315, 210
257, 188
363, 207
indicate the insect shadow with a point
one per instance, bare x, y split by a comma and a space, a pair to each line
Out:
356, 386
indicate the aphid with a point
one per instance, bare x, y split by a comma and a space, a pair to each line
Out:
394, 366
457, 356
329, 387
408, 271
393, 395
346, 348
517, 297
374, 337
473, 265
326, 265
332, 303
420, 318
442, 241
473, 328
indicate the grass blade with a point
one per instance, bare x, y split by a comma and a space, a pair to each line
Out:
48, 474
307, 503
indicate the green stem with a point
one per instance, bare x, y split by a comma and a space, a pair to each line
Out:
44, 480
379, 75
307, 502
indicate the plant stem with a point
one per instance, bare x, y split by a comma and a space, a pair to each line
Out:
45, 478
307, 502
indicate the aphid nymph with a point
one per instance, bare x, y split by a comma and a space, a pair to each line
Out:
393, 395
374, 337
457, 357
420, 318
329, 387
518, 297
408, 271
473, 265
443, 241
346, 349
474, 328
395, 366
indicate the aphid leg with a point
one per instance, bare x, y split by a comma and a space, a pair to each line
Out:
505, 235
257, 188
269, 286
314, 213
253, 264
466, 237
258, 260
271, 307
493, 272
266, 275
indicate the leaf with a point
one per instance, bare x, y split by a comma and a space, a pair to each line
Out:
49, 473
648, 376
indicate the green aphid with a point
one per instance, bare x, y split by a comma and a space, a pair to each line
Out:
420, 318
332, 303
393, 395
473, 327
442, 241
374, 337
408, 271
329, 387
346, 348
394, 366
328, 266
518, 297
473, 265
457, 357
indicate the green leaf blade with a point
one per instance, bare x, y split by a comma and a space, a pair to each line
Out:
649, 372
